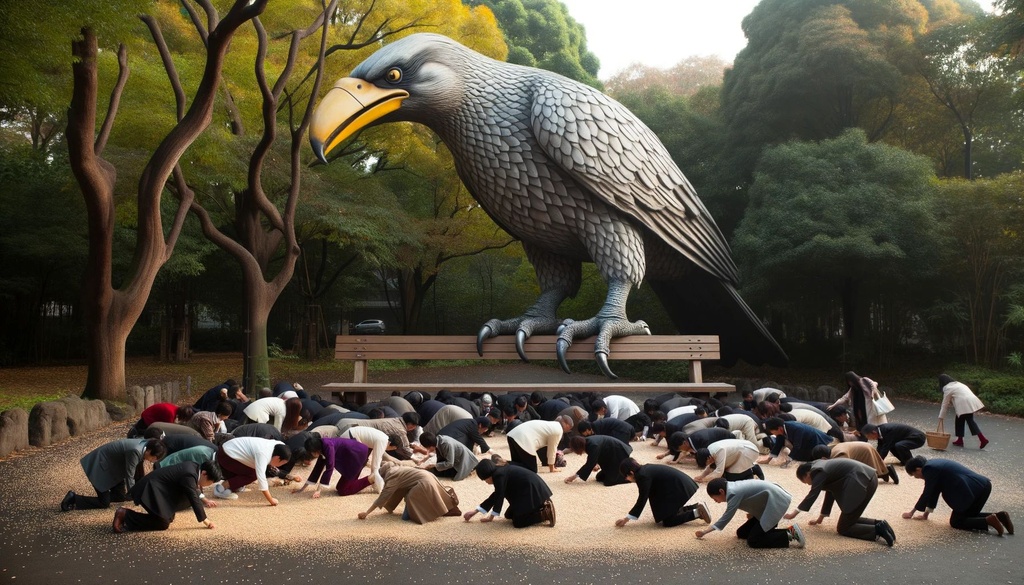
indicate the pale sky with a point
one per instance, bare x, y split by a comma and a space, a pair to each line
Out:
661, 33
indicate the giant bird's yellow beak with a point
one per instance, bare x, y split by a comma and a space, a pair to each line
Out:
348, 107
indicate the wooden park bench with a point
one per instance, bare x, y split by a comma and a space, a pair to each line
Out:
361, 349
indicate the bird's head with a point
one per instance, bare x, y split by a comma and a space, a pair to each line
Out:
415, 79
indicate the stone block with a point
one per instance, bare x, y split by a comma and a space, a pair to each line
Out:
136, 398
150, 397
828, 394
120, 411
47, 424
13, 431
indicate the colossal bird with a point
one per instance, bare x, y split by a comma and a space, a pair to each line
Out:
571, 173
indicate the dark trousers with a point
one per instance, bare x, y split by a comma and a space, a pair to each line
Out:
751, 473
684, 515
969, 419
450, 472
852, 525
522, 519
610, 477
137, 430
118, 493
972, 518
522, 458
901, 449
756, 537
139, 522
236, 473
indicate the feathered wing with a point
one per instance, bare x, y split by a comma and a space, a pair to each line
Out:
619, 160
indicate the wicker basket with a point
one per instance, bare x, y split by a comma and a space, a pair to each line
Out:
937, 439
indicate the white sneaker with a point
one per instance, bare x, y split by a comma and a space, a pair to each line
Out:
703, 513
223, 492
796, 537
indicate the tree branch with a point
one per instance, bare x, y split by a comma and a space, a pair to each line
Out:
165, 57
115, 99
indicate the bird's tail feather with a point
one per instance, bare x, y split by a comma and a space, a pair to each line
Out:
715, 308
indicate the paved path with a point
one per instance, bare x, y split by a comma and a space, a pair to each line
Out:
39, 545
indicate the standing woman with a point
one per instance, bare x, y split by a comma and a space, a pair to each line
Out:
965, 404
860, 393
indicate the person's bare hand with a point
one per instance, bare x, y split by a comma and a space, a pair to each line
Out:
316, 495
621, 522
469, 515
790, 515
273, 501
361, 515
487, 518
209, 503
211, 525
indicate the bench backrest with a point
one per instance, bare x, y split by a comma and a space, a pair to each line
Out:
463, 347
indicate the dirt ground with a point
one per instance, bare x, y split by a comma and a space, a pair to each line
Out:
322, 540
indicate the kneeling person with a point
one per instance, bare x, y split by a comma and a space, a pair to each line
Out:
425, 498
849, 483
529, 497
667, 489
167, 491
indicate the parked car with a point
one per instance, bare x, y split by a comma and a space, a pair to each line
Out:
369, 326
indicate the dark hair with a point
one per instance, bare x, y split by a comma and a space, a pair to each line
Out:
314, 445
675, 442
658, 416
837, 411
282, 451
485, 469
213, 472
914, 463
597, 405
292, 415
156, 448
722, 424
521, 402
701, 411
746, 393
428, 439
943, 380
650, 405
584, 426
375, 413
773, 423
868, 429
411, 418
702, 456
414, 398
577, 444
184, 413
536, 397
717, 485
153, 433
820, 452
224, 408
508, 410
628, 466
725, 410
712, 404
804, 470
657, 428
494, 412
483, 421
773, 397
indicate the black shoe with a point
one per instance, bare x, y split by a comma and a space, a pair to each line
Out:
895, 476
883, 529
547, 513
68, 503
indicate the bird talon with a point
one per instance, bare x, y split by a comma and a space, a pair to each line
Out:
520, 340
602, 362
561, 346
484, 333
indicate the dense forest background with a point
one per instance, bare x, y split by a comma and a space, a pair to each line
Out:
863, 158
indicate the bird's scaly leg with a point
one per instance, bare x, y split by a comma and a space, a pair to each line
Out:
609, 323
540, 318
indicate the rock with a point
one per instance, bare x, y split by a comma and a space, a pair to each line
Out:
13, 431
120, 411
828, 394
150, 397
137, 399
47, 424
75, 407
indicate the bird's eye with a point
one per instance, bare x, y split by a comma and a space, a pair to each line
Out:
394, 75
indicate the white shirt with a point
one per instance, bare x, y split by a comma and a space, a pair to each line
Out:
254, 452
264, 409
536, 434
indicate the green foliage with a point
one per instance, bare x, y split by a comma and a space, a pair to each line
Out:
839, 221
540, 33
1002, 393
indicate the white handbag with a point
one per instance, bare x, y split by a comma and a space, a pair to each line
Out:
882, 404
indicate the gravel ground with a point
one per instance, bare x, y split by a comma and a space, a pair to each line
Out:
306, 539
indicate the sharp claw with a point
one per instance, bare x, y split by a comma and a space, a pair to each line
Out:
602, 362
520, 340
484, 333
561, 346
